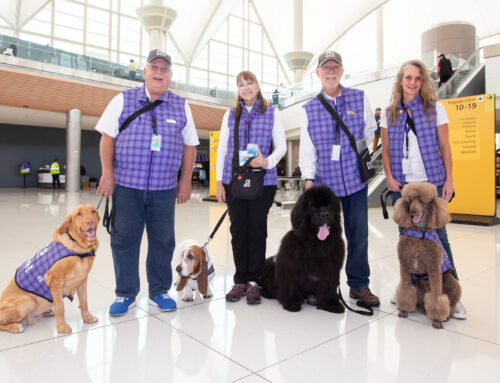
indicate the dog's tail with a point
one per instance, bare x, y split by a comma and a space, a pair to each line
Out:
267, 279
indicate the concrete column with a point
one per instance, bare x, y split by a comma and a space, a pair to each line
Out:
73, 148
156, 19
380, 38
289, 159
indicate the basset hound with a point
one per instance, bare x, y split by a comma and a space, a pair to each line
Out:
195, 270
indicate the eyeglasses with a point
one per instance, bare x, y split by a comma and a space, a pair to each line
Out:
241, 85
328, 69
162, 69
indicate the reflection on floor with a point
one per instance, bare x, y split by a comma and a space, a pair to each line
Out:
214, 341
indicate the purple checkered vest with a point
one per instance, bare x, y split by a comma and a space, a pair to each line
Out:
430, 236
341, 176
29, 276
428, 143
259, 130
136, 165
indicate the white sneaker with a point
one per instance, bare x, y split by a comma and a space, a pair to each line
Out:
393, 300
459, 311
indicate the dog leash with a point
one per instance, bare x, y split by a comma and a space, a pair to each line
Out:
108, 218
359, 303
383, 202
216, 228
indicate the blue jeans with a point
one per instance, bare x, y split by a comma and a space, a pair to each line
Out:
135, 209
355, 210
442, 234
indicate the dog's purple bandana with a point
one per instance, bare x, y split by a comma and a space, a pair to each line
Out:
30, 275
430, 236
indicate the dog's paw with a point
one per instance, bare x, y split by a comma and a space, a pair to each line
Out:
337, 307
437, 324
14, 328
64, 328
207, 296
402, 314
292, 306
187, 298
49, 313
89, 318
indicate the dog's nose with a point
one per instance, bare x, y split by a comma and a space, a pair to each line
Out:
325, 216
178, 269
90, 222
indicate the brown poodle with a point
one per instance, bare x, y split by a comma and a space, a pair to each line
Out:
427, 280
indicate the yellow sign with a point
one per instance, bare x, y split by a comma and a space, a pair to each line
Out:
214, 144
472, 139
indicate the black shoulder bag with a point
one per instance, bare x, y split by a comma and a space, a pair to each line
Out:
366, 169
247, 182
108, 220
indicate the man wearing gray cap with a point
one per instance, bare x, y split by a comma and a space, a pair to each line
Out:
148, 134
327, 158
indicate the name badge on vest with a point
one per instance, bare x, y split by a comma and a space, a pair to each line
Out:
155, 142
406, 163
170, 121
350, 112
335, 152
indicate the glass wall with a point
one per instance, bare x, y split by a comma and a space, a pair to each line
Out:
110, 30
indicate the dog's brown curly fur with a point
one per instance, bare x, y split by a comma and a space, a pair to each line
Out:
436, 296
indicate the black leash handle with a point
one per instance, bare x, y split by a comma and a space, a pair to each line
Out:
369, 309
383, 202
108, 220
221, 219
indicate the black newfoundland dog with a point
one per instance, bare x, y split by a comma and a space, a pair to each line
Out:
310, 257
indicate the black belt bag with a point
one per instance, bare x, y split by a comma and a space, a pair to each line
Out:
246, 182
365, 165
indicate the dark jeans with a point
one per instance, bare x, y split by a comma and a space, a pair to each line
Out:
355, 211
249, 233
55, 180
442, 234
156, 211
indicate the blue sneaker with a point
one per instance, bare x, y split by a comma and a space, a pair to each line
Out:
163, 302
121, 305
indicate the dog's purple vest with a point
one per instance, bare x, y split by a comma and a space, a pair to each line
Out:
430, 236
428, 143
29, 276
259, 130
135, 164
341, 176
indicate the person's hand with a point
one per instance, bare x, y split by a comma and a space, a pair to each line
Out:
393, 184
259, 161
309, 184
106, 185
447, 191
184, 190
220, 192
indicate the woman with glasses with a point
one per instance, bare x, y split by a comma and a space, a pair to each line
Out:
259, 124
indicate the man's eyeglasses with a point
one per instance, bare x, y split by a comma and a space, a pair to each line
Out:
328, 69
163, 69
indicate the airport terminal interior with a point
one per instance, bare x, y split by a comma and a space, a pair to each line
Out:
62, 61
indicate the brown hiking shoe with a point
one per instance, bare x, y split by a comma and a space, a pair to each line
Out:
236, 292
253, 293
365, 296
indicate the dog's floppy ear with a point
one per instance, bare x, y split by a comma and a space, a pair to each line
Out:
401, 215
65, 225
202, 278
182, 283
438, 215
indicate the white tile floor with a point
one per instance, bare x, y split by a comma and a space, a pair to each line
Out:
214, 341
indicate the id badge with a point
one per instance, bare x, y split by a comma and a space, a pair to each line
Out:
406, 162
155, 142
243, 157
336, 153
252, 150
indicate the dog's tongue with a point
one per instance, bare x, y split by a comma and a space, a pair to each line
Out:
417, 218
323, 232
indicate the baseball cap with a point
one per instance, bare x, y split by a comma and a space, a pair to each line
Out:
159, 54
378, 109
329, 55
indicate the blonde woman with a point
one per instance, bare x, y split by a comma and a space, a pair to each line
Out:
260, 124
415, 142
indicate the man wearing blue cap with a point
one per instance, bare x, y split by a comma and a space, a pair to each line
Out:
148, 133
